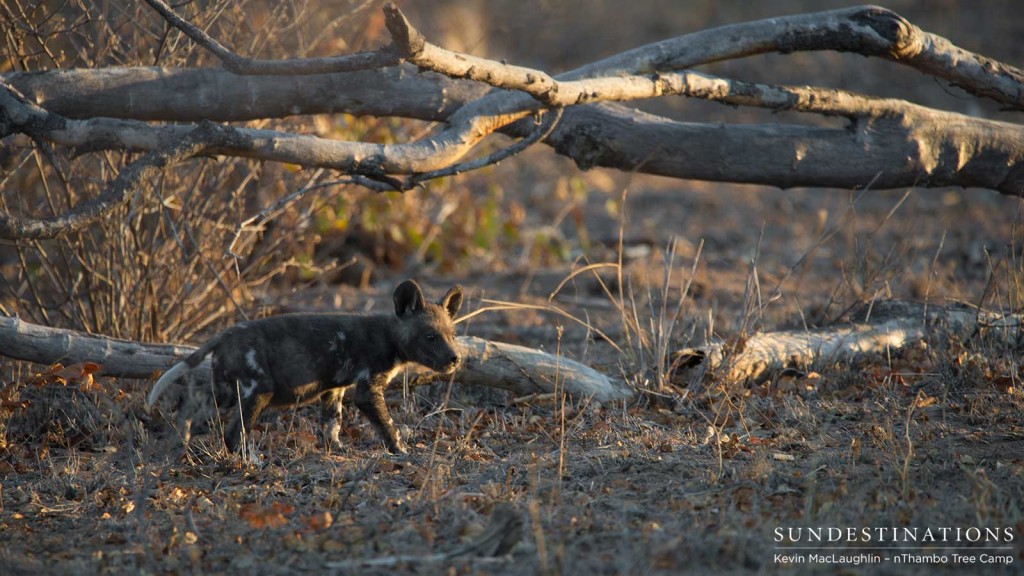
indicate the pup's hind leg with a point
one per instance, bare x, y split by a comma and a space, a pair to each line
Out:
249, 401
196, 407
330, 416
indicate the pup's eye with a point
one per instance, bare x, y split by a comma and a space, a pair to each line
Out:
431, 337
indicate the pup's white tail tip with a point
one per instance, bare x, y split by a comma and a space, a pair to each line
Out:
166, 380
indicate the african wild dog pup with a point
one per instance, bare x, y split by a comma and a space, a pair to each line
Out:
299, 358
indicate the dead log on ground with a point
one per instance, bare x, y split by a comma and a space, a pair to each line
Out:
881, 328
515, 368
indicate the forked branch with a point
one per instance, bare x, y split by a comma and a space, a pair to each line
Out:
889, 142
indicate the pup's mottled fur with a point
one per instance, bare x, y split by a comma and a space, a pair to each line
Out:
299, 358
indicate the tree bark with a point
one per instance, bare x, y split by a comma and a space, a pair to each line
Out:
152, 93
520, 370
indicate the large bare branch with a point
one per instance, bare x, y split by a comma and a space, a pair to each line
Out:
192, 94
923, 147
889, 143
435, 152
935, 142
869, 30
928, 150
865, 30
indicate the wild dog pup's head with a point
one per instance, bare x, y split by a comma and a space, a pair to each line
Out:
426, 330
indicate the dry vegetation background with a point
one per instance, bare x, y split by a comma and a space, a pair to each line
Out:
697, 474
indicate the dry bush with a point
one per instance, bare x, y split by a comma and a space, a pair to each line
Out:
209, 242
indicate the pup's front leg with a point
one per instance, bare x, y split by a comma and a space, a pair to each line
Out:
370, 401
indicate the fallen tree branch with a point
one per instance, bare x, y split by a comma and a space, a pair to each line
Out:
432, 153
870, 31
544, 128
891, 143
925, 147
866, 30
884, 328
153, 93
514, 368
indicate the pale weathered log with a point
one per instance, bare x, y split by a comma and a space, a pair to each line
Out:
124, 358
884, 328
515, 368
529, 371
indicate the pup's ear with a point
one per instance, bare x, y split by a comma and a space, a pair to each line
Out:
408, 298
452, 301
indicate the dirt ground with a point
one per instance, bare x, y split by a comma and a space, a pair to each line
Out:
695, 477
698, 475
